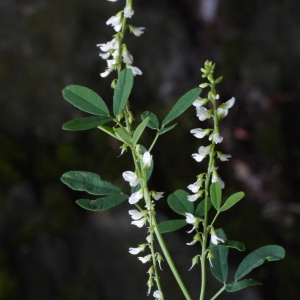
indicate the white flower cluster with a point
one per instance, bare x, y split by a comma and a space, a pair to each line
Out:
115, 52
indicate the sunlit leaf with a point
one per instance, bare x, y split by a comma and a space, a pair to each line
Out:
88, 182
122, 90
171, 225
85, 99
102, 203
179, 203
86, 123
257, 258
182, 105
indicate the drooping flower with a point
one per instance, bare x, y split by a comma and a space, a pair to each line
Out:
145, 258
196, 238
115, 22
200, 133
194, 261
199, 102
216, 138
191, 219
194, 187
202, 152
158, 295
131, 177
156, 195
112, 0
214, 238
147, 159
223, 157
193, 198
135, 214
128, 12
135, 251
202, 113
136, 197
135, 70
137, 31
217, 178
139, 223
127, 57
222, 110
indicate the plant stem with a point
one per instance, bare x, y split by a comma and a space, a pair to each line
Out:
170, 261
218, 293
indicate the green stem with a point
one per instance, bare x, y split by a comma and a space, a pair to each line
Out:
219, 293
170, 261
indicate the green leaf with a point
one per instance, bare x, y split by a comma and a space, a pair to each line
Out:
171, 225
122, 90
233, 244
102, 203
86, 123
85, 99
179, 203
88, 182
219, 258
123, 135
233, 199
139, 130
216, 194
257, 258
182, 105
236, 286
153, 123
199, 212
164, 130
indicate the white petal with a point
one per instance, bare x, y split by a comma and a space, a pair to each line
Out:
198, 157
193, 242
135, 214
138, 31
193, 198
136, 197
135, 70
198, 133
230, 102
135, 251
194, 188
215, 239
157, 295
128, 175
147, 159
224, 157
190, 218
106, 73
128, 12
140, 223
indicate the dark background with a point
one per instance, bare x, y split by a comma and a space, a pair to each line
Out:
52, 249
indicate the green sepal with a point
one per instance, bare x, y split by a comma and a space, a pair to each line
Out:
85, 99
88, 182
200, 210
257, 258
219, 258
216, 194
236, 286
102, 203
232, 200
182, 105
123, 135
86, 123
139, 130
179, 202
171, 225
153, 123
122, 90
164, 130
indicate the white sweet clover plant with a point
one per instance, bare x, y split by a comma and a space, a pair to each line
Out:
205, 193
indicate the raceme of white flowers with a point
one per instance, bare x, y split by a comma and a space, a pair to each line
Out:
115, 51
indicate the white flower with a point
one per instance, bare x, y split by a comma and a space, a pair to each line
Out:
216, 138
127, 57
135, 214
199, 133
135, 251
157, 195
115, 22
202, 113
135, 70
190, 218
145, 258
223, 157
128, 12
158, 295
194, 187
131, 177
137, 31
105, 73
136, 197
193, 198
199, 102
194, 261
216, 178
202, 152
193, 242
214, 238
139, 223
147, 159
112, 0
222, 110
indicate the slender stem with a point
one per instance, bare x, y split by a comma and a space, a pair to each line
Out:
170, 261
218, 293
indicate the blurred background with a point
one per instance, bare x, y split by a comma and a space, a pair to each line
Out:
52, 249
